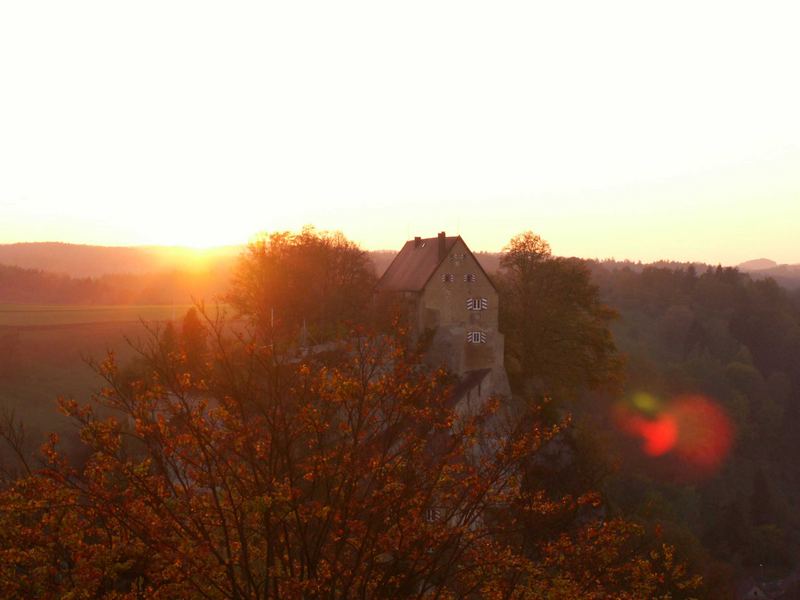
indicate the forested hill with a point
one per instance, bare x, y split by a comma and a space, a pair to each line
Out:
30, 286
81, 261
78, 260
787, 276
51, 273
736, 340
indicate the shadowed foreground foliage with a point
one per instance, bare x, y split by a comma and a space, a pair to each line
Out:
344, 475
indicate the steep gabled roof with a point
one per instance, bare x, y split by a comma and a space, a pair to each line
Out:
414, 265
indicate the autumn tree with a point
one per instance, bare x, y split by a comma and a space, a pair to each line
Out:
558, 341
348, 474
312, 284
266, 480
558, 346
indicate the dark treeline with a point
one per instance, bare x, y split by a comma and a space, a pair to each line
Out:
736, 340
32, 286
20, 285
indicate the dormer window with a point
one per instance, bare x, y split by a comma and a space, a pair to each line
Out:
477, 304
448, 277
470, 278
476, 337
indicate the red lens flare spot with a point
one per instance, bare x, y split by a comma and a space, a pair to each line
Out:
658, 435
692, 428
705, 433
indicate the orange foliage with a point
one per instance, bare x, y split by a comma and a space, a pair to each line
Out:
253, 475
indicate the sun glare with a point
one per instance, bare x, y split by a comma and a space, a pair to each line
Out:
196, 233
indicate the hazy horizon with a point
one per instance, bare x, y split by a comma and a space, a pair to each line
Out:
624, 130
194, 253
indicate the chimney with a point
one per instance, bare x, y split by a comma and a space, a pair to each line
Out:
417, 242
442, 246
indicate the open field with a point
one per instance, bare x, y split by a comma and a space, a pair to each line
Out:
40, 362
26, 315
46, 351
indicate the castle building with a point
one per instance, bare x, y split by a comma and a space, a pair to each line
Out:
449, 297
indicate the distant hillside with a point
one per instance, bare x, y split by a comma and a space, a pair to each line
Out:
33, 286
81, 261
758, 264
78, 260
787, 276
56, 273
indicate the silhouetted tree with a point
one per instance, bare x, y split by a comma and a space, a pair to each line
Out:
557, 330
311, 282
193, 340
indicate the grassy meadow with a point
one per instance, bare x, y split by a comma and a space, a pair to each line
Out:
37, 315
46, 351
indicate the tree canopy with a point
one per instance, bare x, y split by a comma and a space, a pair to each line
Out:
315, 282
558, 341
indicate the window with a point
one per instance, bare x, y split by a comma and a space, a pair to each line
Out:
432, 515
448, 277
476, 337
456, 258
470, 277
477, 304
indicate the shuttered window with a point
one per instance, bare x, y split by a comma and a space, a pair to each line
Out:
477, 304
476, 337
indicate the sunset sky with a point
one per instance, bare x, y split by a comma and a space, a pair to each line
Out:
637, 130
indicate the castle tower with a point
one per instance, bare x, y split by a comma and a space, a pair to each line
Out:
449, 297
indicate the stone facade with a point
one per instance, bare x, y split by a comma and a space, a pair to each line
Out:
455, 304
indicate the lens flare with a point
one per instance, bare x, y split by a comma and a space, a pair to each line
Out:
692, 428
646, 403
706, 433
658, 435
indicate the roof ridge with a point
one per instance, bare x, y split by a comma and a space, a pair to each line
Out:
417, 261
